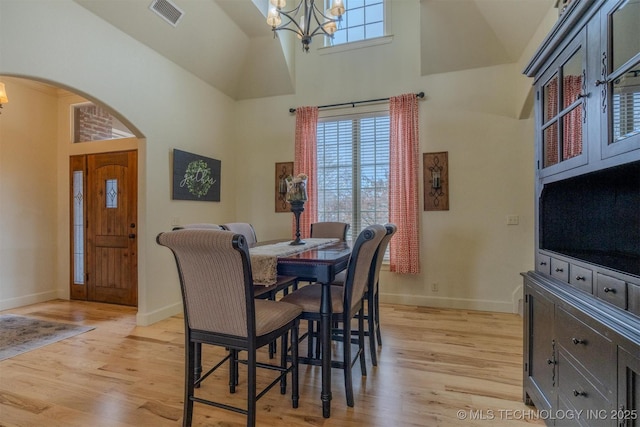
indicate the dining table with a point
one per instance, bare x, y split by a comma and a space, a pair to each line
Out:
319, 264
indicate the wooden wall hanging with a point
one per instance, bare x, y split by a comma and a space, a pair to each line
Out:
283, 170
435, 168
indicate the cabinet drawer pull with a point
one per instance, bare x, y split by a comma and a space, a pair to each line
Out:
581, 278
579, 393
577, 341
551, 362
607, 290
559, 270
600, 82
543, 263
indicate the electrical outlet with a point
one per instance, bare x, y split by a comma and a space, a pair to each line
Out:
513, 220
434, 287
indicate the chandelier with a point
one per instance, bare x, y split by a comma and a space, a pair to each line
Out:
325, 23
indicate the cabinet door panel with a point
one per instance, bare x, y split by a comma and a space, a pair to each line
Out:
629, 386
541, 358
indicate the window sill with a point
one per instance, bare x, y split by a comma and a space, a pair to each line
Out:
355, 45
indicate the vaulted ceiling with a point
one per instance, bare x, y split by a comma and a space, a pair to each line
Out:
228, 44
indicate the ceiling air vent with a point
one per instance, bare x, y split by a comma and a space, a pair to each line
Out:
167, 10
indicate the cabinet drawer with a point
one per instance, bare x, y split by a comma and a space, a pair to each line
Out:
580, 394
612, 290
581, 278
543, 264
633, 299
593, 350
560, 269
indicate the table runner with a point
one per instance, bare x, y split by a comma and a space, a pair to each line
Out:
264, 259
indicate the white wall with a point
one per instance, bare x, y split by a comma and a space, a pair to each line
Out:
469, 251
62, 43
28, 196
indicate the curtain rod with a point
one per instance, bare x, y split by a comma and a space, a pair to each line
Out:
353, 103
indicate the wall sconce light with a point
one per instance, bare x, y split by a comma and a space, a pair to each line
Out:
283, 170
436, 181
3, 95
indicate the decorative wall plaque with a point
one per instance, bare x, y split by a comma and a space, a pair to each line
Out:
283, 170
436, 181
195, 177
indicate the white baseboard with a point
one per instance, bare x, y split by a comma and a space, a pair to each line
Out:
23, 300
146, 319
440, 302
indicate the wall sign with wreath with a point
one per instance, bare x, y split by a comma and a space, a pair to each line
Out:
195, 177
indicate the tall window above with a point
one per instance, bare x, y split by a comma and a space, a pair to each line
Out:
363, 20
353, 170
92, 123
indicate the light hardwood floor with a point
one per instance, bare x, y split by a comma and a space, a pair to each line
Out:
436, 368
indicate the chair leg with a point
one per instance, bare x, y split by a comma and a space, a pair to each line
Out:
371, 324
187, 416
251, 388
310, 338
295, 395
363, 364
197, 365
283, 362
346, 359
377, 317
233, 370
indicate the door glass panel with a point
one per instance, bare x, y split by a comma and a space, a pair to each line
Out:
624, 32
572, 133
78, 228
572, 79
625, 109
551, 145
111, 191
550, 99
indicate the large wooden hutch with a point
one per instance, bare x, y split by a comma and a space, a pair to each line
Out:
582, 302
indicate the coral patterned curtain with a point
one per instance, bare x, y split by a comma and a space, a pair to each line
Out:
305, 162
403, 184
572, 121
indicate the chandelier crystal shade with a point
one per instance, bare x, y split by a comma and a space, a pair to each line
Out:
312, 16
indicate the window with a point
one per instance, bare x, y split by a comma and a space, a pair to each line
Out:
92, 123
353, 170
363, 20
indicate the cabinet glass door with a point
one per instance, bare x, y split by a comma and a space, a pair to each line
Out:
624, 77
563, 112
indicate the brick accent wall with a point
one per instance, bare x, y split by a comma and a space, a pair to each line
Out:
92, 123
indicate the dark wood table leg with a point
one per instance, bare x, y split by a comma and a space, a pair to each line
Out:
325, 333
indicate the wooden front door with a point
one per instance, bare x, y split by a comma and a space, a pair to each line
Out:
109, 233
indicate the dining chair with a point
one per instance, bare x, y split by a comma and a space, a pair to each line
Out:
243, 228
372, 295
329, 229
346, 302
199, 225
214, 269
283, 283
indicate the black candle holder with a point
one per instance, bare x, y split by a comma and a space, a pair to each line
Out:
297, 207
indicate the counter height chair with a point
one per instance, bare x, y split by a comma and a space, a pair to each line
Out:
283, 283
328, 229
346, 302
199, 225
220, 310
371, 295
243, 228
